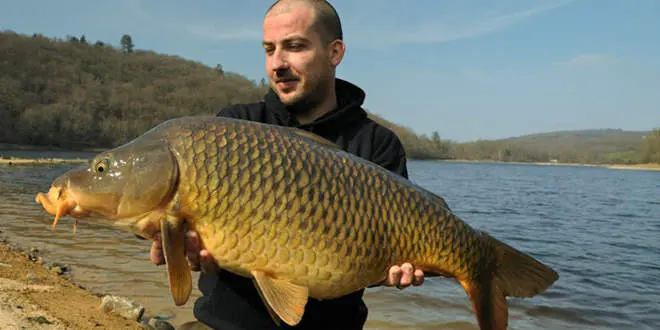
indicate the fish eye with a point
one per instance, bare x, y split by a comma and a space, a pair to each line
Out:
102, 165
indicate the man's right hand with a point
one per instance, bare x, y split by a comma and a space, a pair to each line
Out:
199, 259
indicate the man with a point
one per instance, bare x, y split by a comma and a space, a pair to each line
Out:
303, 46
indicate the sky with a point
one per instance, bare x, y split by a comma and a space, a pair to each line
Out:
466, 69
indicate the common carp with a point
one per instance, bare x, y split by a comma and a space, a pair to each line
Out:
294, 212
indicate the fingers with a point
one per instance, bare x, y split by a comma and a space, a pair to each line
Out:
207, 264
198, 258
156, 252
418, 277
394, 276
403, 276
407, 276
192, 250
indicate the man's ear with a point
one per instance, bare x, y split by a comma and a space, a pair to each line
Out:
336, 52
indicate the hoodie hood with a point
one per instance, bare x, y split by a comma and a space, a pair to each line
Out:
349, 109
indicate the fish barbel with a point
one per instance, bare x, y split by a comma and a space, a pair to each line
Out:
292, 211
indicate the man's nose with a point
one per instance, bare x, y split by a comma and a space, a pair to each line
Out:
278, 61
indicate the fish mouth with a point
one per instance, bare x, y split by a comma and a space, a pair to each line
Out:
59, 203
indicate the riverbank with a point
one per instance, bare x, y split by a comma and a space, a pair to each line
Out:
647, 167
35, 297
39, 161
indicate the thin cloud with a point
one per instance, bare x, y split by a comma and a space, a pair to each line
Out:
590, 60
372, 24
450, 27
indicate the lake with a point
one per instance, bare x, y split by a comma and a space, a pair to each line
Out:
598, 227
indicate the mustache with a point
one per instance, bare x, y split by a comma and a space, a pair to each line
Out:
283, 76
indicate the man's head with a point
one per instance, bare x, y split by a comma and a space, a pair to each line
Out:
303, 45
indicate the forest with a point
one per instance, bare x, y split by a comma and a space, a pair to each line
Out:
76, 94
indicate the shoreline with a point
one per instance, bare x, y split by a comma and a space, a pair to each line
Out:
40, 161
36, 296
647, 166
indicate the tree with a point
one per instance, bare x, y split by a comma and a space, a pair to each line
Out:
651, 147
220, 70
83, 40
127, 43
436, 137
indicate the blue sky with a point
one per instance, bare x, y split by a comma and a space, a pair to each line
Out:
468, 69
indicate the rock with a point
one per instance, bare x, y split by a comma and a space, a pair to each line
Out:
165, 315
39, 319
159, 324
33, 255
194, 325
123, 307
57, 270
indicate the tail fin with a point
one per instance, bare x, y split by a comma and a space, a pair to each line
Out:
514, 274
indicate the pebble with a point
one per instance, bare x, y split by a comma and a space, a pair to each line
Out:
165, 315
159, 324
39, 319
123, 307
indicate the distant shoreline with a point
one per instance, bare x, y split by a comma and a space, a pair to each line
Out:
647, 167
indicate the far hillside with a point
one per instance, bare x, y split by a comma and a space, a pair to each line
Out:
583, 146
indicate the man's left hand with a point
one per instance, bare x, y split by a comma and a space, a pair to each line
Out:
403, 276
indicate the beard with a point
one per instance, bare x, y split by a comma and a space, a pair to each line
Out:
309, 97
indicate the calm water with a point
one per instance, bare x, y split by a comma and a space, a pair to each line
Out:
599, 228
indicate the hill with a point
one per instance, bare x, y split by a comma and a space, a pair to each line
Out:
581, 146
73, 94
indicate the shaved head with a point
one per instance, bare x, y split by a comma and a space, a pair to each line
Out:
326, 19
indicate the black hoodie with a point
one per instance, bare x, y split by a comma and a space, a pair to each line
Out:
232, 302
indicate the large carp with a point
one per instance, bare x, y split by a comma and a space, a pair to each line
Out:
292, 211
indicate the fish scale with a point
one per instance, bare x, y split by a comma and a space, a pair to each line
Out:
291, 210
297, 185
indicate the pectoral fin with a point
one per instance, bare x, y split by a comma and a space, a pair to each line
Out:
178, 269
285, 301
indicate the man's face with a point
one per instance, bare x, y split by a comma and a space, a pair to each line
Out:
298, 64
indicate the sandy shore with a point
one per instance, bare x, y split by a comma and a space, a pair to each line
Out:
647, 167
37, 161
33, 297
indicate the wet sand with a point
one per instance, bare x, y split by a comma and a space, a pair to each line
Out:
33, 297
39, 161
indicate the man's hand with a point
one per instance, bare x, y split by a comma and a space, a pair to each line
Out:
403, 276
199, 259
